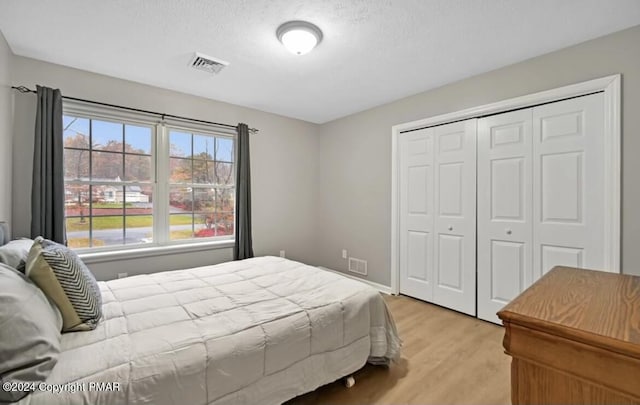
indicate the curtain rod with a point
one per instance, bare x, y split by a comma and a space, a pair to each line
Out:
24, 89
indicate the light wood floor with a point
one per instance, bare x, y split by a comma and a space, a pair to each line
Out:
447, 358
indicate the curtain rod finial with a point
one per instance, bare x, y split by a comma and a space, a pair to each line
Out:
23, 89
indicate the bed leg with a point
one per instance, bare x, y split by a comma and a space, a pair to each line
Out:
349, 381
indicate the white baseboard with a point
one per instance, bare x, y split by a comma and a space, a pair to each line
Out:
380, 287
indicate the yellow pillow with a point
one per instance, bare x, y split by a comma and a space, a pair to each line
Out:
67, 281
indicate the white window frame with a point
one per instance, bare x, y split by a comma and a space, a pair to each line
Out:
160, 166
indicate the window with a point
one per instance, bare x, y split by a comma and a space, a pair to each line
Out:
201, 185
131, 181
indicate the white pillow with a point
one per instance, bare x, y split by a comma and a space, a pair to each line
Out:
14, 254
29, 332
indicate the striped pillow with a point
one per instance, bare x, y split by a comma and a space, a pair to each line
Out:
62, 276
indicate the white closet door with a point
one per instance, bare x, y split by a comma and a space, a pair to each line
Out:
455, 216
504, 210
416, 214
437, 220
568, 184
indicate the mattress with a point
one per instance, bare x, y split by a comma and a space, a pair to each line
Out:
261, 330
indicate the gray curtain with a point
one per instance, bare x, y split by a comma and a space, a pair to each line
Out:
243, 248
47, 190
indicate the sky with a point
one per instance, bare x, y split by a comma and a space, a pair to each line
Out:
181, 142
139, 137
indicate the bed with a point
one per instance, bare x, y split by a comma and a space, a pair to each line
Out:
262, 330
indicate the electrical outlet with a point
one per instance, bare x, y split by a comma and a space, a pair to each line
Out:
123, 275
344, 253
282, 253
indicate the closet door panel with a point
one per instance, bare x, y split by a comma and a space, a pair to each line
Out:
568, 184
450, 190
450, 266
416, 215
455, 239
507, 189
558, 255
504, 210
418, 256
561, 183
507, 270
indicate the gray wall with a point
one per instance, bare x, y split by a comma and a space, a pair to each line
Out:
283, 162
319, 189
6, 117
355, 152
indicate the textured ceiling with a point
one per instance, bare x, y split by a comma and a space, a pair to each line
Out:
373, 51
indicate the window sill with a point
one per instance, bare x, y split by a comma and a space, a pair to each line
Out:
100, 257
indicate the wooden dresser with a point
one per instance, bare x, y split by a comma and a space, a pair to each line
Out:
574, 337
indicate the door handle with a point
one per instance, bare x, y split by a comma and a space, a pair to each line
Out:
508, 231
450, 228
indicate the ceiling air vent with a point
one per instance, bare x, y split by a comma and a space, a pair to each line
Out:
207, 63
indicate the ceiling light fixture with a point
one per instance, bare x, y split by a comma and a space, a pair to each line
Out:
299, 37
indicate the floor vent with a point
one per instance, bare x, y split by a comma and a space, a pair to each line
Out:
207, 63
358, 266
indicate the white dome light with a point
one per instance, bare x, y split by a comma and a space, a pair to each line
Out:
299, 37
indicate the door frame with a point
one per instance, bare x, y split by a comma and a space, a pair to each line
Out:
610, 85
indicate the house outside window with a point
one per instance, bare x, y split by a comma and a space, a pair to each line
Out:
131, 181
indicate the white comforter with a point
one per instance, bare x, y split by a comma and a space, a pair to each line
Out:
262, 330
